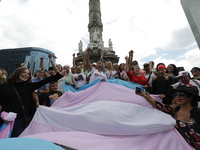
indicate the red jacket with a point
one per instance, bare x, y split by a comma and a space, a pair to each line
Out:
138, 79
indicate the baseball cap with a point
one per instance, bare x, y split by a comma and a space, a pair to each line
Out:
160, 67
182, 73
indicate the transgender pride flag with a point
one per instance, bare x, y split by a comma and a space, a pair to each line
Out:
6, 129
106, 116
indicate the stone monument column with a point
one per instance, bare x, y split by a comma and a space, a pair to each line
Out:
95, 26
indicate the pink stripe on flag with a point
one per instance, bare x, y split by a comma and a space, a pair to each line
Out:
102, 91
169, 140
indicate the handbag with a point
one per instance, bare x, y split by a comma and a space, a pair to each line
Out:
27, 119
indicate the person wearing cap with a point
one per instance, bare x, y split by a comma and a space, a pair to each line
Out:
196, 73
184, 110
51, 71
94, 64
162, 83
184, 79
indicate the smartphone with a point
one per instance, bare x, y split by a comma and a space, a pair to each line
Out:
138, 90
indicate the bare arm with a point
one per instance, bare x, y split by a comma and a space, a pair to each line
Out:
150, 66
88, 58
36, 99
84, 63
52, 63
148, 98
130, 59
73, 60
46, 90
126, 66
42, 63
102, 60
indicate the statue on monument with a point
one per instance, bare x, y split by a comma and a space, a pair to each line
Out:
95, 36
110, 44
80, 46
101, 44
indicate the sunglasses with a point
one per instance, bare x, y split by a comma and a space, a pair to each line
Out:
178, 94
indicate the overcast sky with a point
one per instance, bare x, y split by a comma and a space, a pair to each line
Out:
155, 29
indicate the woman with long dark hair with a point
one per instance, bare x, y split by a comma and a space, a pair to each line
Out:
185, 110
16, 96
172, 71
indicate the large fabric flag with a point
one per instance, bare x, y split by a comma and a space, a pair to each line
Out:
6, 128
131, 85
105, 116
27, 144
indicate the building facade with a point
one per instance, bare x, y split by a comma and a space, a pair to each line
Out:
192, 12
12, 58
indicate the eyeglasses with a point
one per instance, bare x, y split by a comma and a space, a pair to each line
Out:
170, 67
193, 71
40, 72
178, 94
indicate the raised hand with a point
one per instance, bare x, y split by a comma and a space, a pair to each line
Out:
89, 50
22, 64
67, 82
50, 56
166, 76
63, 72
131, 53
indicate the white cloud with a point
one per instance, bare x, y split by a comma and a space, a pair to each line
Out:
142, 26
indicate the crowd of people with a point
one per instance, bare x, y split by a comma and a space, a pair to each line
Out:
22, 92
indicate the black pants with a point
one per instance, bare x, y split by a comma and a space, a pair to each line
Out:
18, 127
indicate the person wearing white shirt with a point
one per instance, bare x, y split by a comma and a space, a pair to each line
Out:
95, 73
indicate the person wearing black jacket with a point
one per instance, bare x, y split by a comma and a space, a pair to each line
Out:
162, 83
20, 81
